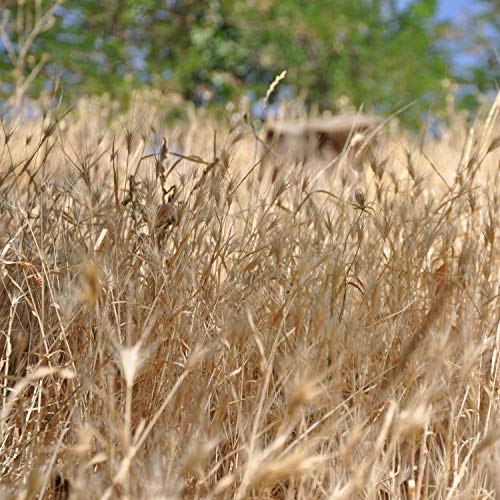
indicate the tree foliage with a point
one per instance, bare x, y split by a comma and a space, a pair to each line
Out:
374, 52
482, 34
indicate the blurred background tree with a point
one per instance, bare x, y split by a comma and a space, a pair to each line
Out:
480, 35
382, 54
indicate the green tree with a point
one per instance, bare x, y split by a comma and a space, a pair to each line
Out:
483, 43
21, 64
372, 51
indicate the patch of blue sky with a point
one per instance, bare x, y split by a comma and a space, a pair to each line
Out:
457, 10
69, 17
454, 10
137, 58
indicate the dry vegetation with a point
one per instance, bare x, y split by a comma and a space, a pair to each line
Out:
175, 325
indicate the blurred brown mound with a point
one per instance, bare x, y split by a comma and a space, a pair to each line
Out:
322, 138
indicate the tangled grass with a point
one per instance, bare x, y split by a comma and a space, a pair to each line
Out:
175, 324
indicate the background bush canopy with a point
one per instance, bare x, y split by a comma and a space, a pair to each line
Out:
382, 53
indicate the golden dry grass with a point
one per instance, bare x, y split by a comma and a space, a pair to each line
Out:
175, 325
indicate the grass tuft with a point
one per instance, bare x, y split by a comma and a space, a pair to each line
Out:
179, 320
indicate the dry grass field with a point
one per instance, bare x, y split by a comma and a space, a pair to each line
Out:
178, 322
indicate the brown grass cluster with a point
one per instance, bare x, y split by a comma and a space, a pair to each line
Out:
177, 323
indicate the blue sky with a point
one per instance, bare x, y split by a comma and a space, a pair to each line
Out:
452, 9
455, 9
